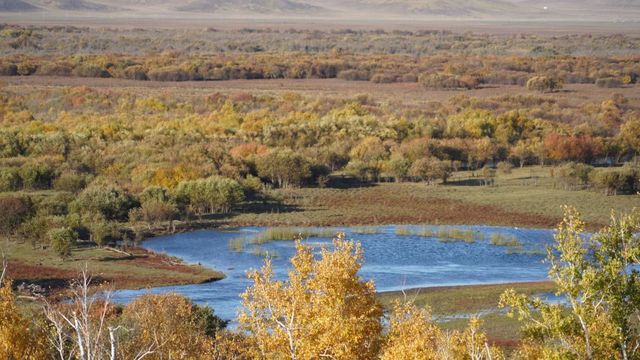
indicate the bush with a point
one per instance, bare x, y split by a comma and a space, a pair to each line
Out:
505, 167
354, 75
135, 72
169, 73
611, 181
383, 78
55, 69
13, 212
10, 179
544, 84
91, 70
573, 174
108, 201
8, 69
37, 175
62, 241
440, 81
609, 82
70, 182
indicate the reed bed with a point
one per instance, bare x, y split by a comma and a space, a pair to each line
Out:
237, 244
506, 241
403, 231
260, 252
365, 230
288, 234
444, 234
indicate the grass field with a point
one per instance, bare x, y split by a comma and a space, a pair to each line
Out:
452, 306
139, 269
527, 197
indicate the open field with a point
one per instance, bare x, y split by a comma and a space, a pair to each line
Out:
140, 269
527, 197
230, 23
452, 306
410, 94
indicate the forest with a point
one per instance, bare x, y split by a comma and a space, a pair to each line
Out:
112, 136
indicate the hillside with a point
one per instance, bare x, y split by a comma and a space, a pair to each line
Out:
254, 6
15, 5
573, 10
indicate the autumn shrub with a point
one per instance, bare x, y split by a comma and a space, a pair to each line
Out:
353, 75
169, 73
90, 70
544, 84
440, 81
609, 82
383, 78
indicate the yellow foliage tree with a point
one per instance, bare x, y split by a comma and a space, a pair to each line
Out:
324, 309
168, 325
412, 334
20, 339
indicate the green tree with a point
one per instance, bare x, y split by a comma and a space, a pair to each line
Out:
398, 166
211, 195
284, 167
62, 241
110, 202
36, 175
595, 275
13, 212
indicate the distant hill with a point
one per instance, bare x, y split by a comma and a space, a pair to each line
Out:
251, 6
72, 5
602, 10
453, 8
15, 5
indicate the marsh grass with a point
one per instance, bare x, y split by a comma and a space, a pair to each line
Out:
289, 234
506, 241
403, 231
237, 244
522, 251
425, 232
443, 234
366, 230
260, 252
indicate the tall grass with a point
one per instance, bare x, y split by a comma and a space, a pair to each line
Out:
258, 251
365, 230
425, 231
403, 231
506, 241
522, 251
288, 234
444, 234
237, 244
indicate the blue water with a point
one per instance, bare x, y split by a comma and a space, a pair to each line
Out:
393, 262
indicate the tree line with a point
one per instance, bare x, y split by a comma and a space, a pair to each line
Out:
436, 71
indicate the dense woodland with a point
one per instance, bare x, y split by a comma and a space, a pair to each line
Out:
85, 159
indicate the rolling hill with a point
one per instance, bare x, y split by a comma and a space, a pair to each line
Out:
15, 5
253, 6
605, 10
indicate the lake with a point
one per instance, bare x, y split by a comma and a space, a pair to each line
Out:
395, 258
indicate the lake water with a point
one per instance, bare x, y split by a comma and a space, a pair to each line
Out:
394, 262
